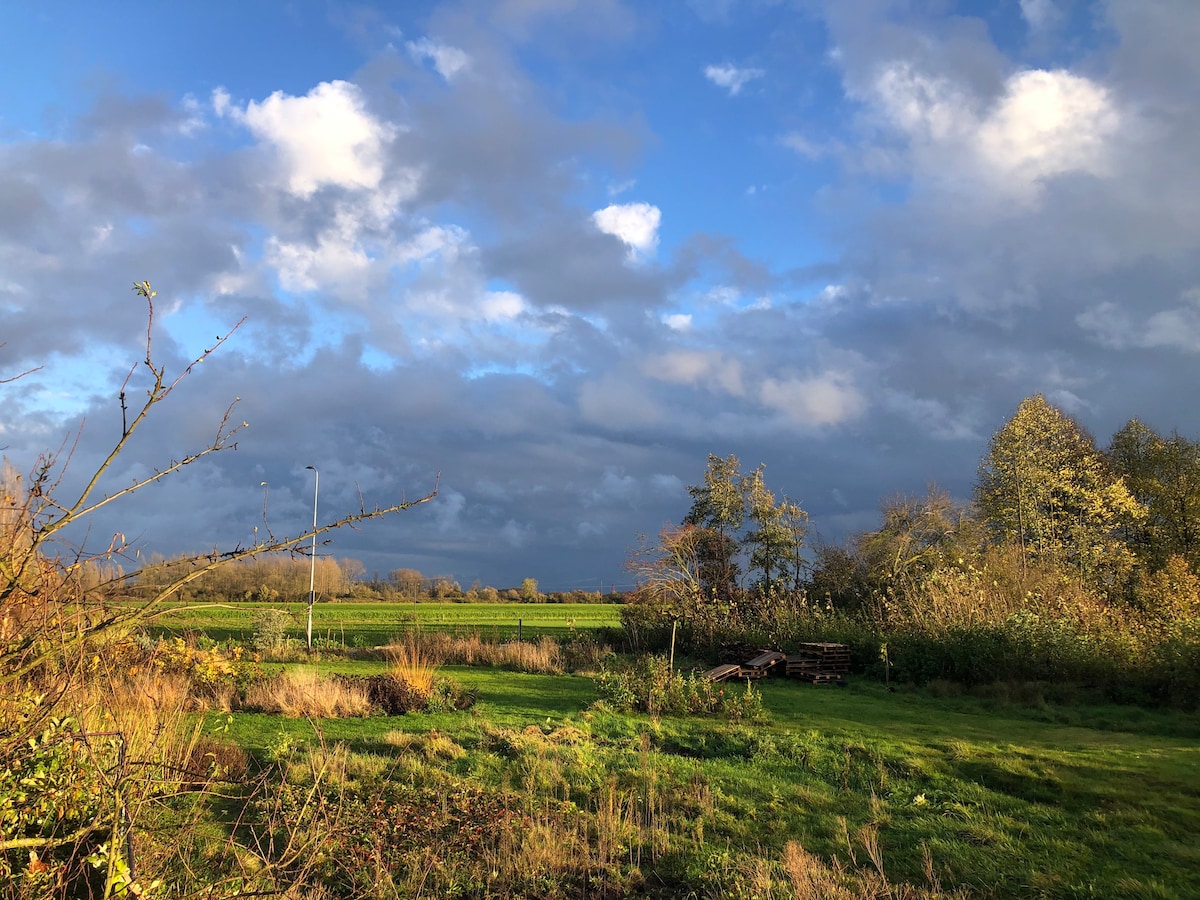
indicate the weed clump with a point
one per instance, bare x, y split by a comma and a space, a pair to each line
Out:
649, 684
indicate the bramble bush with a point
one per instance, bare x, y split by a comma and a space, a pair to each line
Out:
51, 793
215, 674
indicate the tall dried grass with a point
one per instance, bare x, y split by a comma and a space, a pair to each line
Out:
148, 711
300, 694
810, 878
414, 662
541, 656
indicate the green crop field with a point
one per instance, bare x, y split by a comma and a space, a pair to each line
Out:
373, 623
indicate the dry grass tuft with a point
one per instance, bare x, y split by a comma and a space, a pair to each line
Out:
811, 878
220, 760
147, 709
414, 662
298, 694
542, 656
431, 746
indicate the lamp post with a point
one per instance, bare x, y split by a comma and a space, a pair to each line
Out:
312, 561
266, 489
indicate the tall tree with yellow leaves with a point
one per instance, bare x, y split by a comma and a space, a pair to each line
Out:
1044, 487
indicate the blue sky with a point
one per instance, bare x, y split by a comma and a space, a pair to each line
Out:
560, 251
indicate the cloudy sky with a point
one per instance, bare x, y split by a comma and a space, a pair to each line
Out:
561, 250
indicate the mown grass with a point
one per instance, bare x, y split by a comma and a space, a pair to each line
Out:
994, 802
375, 623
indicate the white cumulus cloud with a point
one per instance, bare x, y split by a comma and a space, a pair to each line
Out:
830, 398
326, 137
1045, 123
1048, 123
636, 224
678, 321
449, 61
926, 107
501, 305
704, 367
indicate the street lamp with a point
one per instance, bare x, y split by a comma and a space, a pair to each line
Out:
312, 562
266, 489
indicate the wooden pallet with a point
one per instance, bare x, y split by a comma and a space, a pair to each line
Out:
761, 665
824, 678
723, 673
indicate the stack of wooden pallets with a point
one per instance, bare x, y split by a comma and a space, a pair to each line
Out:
761, 665
820, 663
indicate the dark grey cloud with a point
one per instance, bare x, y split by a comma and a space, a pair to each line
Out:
567, 417
577, 267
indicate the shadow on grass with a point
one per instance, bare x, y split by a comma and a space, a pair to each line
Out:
514, 697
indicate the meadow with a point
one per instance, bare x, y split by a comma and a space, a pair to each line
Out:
532, 769
541, 790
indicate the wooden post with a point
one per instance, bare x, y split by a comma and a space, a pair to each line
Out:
673, 625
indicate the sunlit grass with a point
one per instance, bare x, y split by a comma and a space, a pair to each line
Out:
413, 662
963, 796
307, 694
358, 625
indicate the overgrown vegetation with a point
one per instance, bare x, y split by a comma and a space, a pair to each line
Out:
846, 793
648, 684
1072, 565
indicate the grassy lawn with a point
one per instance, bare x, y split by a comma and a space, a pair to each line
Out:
993, 801
373, 623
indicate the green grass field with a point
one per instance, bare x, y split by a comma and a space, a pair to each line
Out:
984, 798
1005, 803
374, 623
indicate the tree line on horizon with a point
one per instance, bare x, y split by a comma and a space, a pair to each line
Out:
281, 579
